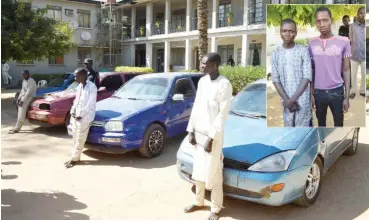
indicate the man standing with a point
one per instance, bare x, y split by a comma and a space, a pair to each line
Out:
330, 58
83, 113
5, 72
230, 61
357, 38
93, 76
344, 29
208, 116
25, 97
291, 75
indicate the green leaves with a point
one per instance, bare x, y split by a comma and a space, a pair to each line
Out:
304, 15
27, 34
129, 69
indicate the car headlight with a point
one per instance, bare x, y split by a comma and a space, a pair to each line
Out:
113, 126
274, 163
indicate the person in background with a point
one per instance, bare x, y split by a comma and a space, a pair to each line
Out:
82, 113
291, 75
357, 38
25, 98
92, 74
170, 68
5, 72
330, 58
230, 61
344, 29
208, 116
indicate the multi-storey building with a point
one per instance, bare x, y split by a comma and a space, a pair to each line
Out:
164, 32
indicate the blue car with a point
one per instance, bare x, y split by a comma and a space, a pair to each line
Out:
272, 166
143, 113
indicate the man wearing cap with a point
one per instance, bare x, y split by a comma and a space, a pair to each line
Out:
26, 96
92, 74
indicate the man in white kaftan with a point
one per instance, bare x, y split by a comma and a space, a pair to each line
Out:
25, 98
5, 72
83, 113
208, 116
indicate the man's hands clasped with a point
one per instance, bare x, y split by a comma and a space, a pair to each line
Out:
192, 140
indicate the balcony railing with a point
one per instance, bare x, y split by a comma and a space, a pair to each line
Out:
230, 19
158, 28
194, 21
140, 31
177, 26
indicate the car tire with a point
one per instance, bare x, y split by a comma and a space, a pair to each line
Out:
67, 121
354, 144
306, 199
153, 142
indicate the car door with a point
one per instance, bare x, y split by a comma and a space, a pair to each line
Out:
111, 83
179, 111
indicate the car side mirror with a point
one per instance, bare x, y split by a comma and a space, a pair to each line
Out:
102, 89
178, 97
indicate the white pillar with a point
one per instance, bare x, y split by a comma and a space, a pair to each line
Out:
188, 14
214, 45
215, 14
166, 56
167, 15
244, 50
245, 13
188, 60
133, 55
133, 22
149, 16
149, 55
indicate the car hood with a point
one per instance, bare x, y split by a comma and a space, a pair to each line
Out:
42, 91
119, 109
57, 96
248, 140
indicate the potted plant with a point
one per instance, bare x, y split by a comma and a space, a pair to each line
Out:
229, 18
158, 23
142, 31
179, 27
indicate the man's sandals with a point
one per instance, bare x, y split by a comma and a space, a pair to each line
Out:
193, 208
70, 163
13, 131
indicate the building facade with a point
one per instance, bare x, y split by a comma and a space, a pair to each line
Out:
81, 15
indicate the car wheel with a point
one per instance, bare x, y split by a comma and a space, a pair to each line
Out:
312, 186
67, 121
354, 143
154, 141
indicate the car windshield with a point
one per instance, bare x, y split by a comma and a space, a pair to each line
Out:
73, 86
250, 102
58, 82
144, 88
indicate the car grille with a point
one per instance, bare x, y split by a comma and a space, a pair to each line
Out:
233, 164
241, 192
97, 123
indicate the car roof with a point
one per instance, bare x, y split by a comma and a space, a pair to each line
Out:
172, 75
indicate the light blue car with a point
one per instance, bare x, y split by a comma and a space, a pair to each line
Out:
272, 166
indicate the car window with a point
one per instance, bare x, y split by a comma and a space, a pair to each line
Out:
196, 80
129, 76
183, 86
112, 82
251, 100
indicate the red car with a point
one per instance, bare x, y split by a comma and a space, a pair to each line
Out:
53, 109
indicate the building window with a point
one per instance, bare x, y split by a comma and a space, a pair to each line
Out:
255, 54
177, 56
54, 12
257, 12
225, 7
83, 18
56, 60
83, 53
225, 52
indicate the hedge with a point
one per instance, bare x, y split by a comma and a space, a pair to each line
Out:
240, 76
367, 82
134, 69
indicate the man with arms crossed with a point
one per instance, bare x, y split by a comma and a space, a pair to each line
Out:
330, 58
208, 116
291, 75
357, 38
83, 113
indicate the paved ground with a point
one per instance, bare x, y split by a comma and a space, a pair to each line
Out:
354, 117
35, 184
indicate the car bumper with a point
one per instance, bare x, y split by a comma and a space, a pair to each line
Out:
44, 118
253, 186
109, 142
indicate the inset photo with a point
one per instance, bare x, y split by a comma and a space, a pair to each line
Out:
316, 65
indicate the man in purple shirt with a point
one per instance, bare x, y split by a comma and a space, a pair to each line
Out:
330, 58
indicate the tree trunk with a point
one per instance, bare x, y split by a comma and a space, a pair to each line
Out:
202, 15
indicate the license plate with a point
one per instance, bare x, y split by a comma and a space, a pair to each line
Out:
110, 140
41, 117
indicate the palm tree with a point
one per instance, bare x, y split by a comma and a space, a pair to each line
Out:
202, 26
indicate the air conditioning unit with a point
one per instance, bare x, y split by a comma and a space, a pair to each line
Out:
69, 12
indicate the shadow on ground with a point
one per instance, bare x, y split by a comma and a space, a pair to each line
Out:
34, 205
344, 195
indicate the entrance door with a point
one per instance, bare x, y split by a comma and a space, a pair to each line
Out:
160, 62
255, 54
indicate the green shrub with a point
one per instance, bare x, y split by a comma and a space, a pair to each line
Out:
47, 77
367, 82
240, 76
134, 69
